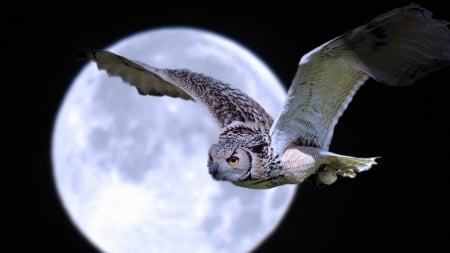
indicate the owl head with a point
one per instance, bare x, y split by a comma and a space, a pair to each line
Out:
230, 163
234, 159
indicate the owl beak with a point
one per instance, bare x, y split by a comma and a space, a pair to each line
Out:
213, 170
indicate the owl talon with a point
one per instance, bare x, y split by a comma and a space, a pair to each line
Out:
326, 176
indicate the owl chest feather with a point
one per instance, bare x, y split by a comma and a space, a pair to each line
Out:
293, 167
269, 169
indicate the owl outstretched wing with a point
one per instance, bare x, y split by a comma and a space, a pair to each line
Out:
395, 48
225, 103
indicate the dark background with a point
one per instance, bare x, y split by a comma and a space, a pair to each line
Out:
397, 205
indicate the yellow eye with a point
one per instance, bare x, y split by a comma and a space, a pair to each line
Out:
233, 161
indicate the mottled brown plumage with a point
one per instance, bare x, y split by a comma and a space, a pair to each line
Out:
253, 151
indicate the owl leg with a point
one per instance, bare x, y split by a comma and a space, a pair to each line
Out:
315, 180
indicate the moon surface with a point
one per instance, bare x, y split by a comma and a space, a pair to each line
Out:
131, 170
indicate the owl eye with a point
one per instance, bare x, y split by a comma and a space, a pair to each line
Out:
233, 161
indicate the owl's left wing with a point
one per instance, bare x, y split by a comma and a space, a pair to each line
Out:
225, 103
395, 48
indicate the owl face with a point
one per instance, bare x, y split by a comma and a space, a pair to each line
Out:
229, 162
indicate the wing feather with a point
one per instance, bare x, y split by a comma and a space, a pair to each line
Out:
225, 103
395, 48
147, 80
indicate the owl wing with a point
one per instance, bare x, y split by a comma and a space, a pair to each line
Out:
395, 48
225, 103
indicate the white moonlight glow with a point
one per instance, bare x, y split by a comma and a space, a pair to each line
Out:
131, 170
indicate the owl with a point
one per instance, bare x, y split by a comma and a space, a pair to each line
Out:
254, 150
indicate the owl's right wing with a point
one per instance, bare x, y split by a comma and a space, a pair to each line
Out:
225, 103
395, 48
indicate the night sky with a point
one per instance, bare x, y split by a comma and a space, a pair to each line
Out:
397, 205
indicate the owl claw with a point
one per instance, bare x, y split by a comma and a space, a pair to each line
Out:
326, 176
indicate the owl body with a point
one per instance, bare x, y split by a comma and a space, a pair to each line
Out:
256, 151
244, 156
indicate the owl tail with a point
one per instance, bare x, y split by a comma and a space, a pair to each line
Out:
346, 166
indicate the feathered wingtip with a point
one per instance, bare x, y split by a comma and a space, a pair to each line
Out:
86, 54
402, 45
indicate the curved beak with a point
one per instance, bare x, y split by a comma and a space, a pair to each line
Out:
213, 170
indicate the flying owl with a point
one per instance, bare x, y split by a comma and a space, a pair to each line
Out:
256, 151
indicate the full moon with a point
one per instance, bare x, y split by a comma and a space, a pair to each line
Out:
131, 170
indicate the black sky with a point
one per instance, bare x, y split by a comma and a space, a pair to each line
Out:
398, 205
